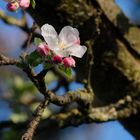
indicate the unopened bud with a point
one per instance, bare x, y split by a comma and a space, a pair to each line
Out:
43, 49
12, 6
69, 62
57, 59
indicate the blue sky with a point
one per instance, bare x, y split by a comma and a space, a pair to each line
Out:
131, 8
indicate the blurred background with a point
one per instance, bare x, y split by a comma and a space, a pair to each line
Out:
16, 91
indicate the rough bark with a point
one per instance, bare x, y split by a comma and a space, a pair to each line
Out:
116, 69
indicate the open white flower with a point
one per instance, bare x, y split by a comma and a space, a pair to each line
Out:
67, 43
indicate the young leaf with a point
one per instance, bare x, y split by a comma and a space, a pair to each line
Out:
66, 71
48, 62
48, 65
33, 3
34, 59
37, 41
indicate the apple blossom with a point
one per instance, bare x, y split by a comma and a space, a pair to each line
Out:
67, 43
57, 59
12, 6
43, 49
69, 62
24, 3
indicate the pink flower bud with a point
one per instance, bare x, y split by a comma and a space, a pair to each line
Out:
24, 3
12, 6
57, 59
43, 49
69, 62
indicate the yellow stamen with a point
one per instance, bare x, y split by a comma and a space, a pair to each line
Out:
61, 45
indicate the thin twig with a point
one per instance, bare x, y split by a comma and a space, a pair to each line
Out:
28, 135
7, 61
30, 35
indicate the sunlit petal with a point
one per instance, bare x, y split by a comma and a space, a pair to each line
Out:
76, 50
48, 31
52, 43
69, 36
50, 36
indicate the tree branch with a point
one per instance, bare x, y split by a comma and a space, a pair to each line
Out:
79, 96
7, 61
28, 135
129, 31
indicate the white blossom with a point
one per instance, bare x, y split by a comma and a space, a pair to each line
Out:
67, 43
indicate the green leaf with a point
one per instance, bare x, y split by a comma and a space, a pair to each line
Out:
34, 59
66, 71
48, 65
48, 62
33, 3
20, 65
37, 41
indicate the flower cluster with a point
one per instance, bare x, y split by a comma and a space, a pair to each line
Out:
61, 47
13, 5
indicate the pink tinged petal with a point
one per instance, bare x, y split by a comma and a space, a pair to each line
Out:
69, 36
43, 49
50, 36
76, 50
77, 42
57, 59
69, 62
24, 3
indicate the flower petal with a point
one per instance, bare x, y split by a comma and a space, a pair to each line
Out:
48, 31
50, 36
76, 50
60, 53
69, 36
52, 43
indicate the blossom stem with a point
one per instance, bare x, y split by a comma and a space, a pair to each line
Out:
90, 64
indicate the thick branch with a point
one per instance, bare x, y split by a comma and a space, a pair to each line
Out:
119, 110
129, 67
130, 32
80, 96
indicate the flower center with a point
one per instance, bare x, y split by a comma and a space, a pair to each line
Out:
61, 45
